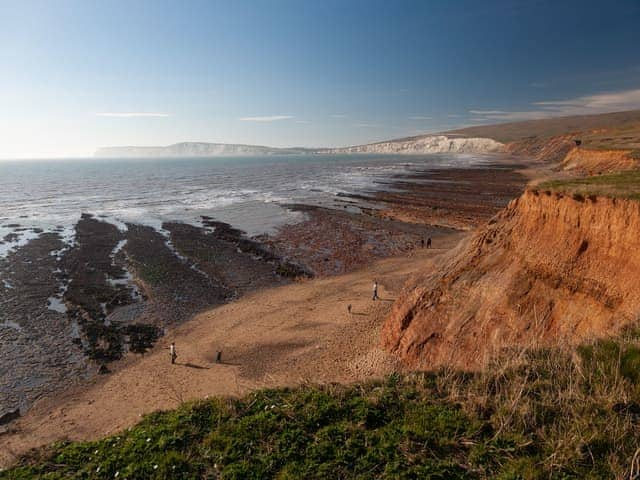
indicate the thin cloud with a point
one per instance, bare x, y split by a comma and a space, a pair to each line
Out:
365, 125
338, 115
132, 114
420, 117
304, 122
269, 118
627, 99
487, 112
515, 116
588, 104
479, 120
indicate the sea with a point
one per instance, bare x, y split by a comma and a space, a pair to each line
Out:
251, 193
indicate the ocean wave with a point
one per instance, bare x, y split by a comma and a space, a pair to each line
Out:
149, 193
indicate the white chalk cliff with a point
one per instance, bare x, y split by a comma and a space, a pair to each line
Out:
426, 144
412, 145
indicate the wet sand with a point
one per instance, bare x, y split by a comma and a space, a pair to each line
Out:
335, 241
460, 198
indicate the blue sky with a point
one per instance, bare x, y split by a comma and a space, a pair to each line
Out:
77, 75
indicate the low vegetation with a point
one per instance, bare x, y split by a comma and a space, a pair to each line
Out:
618, 185
534, 413
619, 130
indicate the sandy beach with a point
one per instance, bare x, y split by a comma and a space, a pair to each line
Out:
281, 336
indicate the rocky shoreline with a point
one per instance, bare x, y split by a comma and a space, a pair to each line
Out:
70, 310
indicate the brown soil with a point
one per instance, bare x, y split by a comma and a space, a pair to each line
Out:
593, 162
281, 336
547, 269
544, 150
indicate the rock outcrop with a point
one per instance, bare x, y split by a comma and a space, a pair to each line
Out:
549, 268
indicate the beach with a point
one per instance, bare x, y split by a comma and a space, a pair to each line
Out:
79, 315
287, 335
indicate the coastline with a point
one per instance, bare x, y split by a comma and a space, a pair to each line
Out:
175, 273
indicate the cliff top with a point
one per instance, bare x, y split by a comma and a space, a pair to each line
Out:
617, 185
609, 130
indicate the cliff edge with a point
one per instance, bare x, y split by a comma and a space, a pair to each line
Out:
549, 268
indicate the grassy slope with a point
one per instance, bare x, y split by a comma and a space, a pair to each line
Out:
619, 185
613, 130
533, 414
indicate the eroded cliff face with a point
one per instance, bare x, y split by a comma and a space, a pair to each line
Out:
545, 150
547, 269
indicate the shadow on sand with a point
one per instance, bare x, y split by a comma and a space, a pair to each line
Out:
193, 365
231, 364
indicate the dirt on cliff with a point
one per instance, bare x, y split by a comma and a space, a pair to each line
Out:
591, 162
548, 269
543, 150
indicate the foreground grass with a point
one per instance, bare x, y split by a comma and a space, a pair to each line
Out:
533, 414
618, 185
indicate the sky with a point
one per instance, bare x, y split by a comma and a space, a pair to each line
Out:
76, 75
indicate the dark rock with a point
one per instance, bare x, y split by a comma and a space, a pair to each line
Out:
9, 416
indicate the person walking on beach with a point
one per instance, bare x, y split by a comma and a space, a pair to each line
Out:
429, 242
422, 242
375, 290
172, 351
349, 309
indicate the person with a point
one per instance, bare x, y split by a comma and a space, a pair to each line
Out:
422, 242
172, 350
349, 309
429, 242
375, 290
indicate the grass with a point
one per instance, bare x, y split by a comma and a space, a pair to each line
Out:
618, 185
619, 130
533, 414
